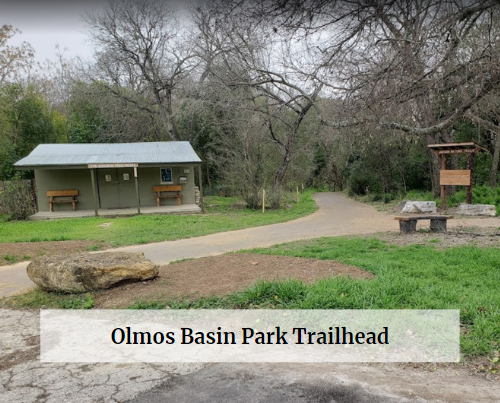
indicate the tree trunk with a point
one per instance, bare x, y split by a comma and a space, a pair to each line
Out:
278, 181
281, 172
496, 158
435, 167
166, 114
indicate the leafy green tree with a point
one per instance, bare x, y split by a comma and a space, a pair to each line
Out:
26, 120
86, 123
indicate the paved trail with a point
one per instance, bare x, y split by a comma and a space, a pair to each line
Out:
24, 379
337, 215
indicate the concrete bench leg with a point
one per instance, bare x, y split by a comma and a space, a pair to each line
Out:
406, 227
438, 225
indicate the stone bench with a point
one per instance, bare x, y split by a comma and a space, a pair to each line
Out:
408, 224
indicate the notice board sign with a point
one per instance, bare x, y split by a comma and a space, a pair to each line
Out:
458, 177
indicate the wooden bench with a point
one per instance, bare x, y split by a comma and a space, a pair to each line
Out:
408, 224
159, 190
63, 196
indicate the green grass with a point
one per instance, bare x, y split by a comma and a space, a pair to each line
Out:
411, 277
10, 258
50, 300
153, 228
417, 195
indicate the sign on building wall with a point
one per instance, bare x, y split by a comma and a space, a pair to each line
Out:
90, 166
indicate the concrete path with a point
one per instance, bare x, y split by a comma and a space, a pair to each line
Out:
337, 215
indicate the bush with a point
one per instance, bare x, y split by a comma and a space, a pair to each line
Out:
388, 197
420, 195
480, 195
17, 199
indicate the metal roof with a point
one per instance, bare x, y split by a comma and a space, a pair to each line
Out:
164, 152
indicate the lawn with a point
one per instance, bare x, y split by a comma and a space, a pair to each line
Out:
153, 228
409, 277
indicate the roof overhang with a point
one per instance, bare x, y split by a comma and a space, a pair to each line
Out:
106, 155
100, 166
457, 148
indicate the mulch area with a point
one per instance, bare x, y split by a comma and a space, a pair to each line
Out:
220, 275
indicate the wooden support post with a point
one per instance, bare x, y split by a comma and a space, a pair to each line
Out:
138, 199
443, 187
94, 191
263, 200
470, 166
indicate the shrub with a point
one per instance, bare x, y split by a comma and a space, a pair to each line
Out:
17, 199
388, 197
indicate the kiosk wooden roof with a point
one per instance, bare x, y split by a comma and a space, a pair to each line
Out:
457, 148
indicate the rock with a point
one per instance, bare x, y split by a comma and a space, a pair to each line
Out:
89, 271
401, 205
477, 209
419, 207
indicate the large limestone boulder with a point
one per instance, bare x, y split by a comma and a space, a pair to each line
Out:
419, 207
89, 271
477, 209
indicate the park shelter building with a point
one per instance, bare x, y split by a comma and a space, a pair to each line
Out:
114, 176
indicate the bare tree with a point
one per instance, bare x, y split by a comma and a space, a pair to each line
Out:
414, 66
142, 49
414, 53
13, 59
241, 53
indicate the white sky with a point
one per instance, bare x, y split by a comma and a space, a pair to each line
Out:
44, 24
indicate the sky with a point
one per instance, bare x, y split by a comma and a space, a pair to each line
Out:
45, 24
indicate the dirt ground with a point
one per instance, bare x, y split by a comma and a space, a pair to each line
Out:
473, 236
220, 275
